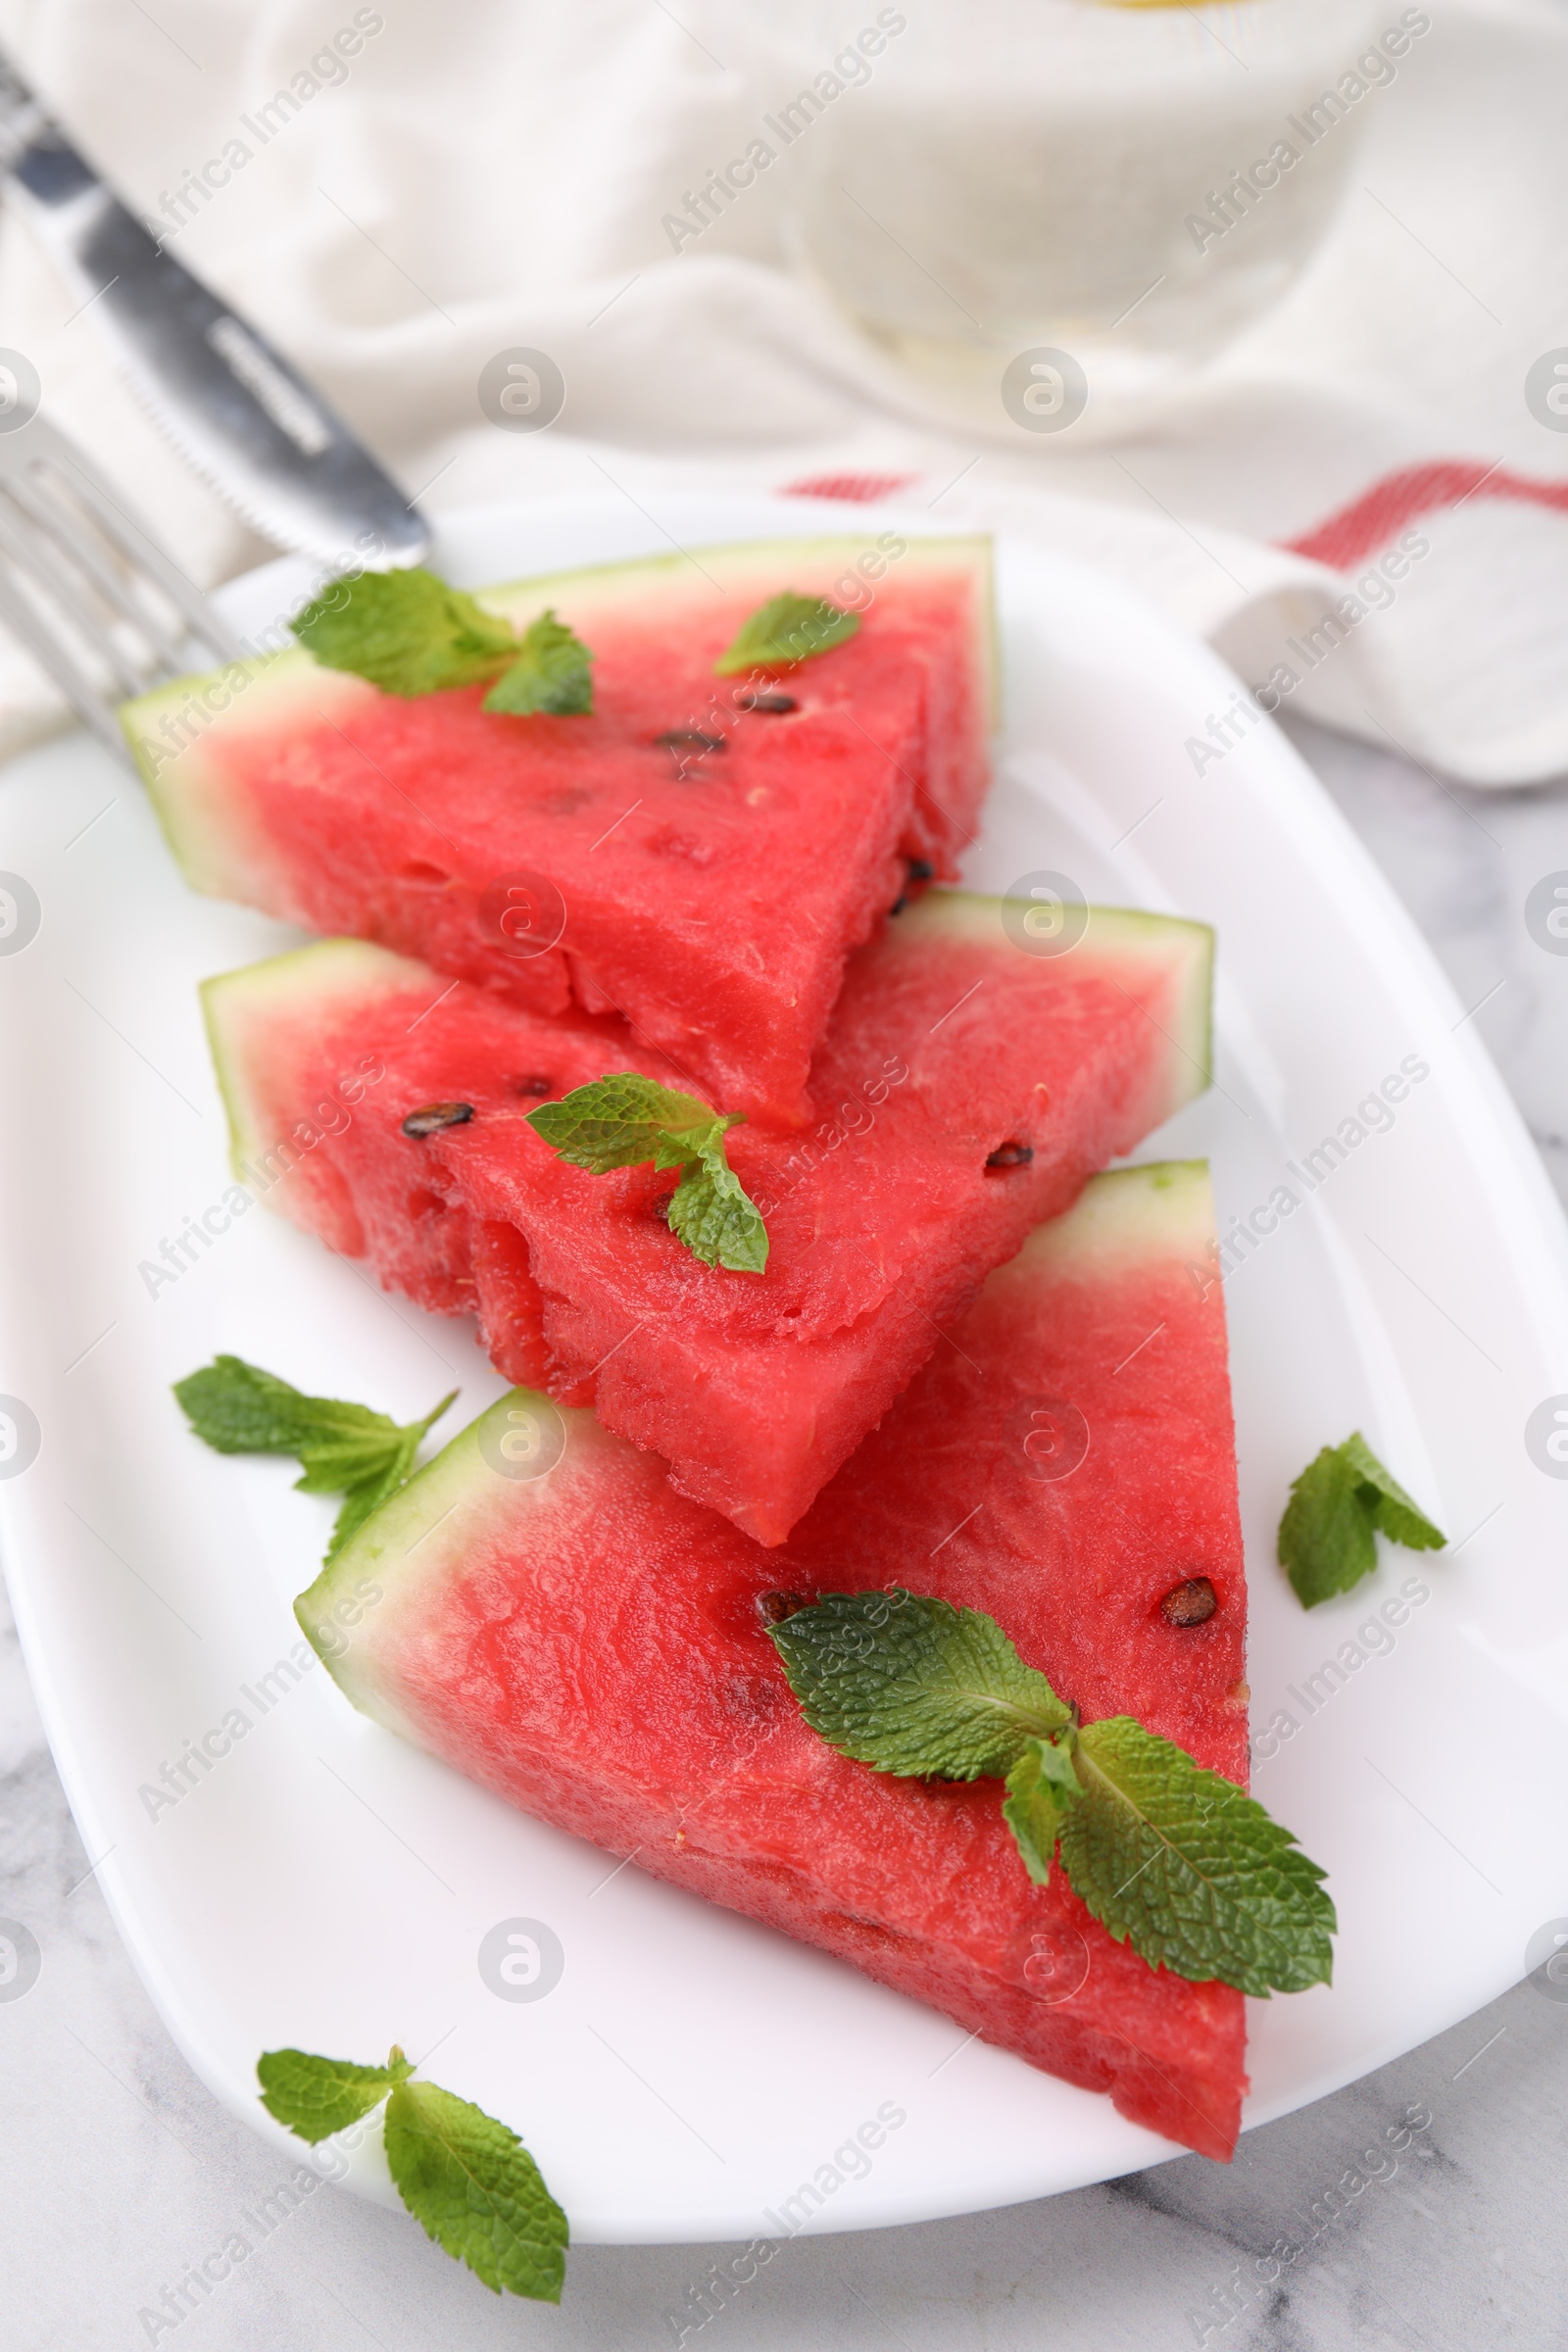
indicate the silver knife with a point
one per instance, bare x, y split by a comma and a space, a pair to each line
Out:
232, 404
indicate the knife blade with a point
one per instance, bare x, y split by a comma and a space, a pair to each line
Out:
225, 397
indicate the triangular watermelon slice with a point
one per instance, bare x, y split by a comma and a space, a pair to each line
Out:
594, 1648
710, 896
973, 1086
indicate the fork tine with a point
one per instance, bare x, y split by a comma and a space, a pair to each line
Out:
137, 549
55, 518
33, 555
49, 650
96, 599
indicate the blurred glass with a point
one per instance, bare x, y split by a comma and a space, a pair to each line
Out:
1128, 186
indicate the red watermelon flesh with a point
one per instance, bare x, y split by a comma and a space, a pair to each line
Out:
710, 897
593, 1647
949, 1045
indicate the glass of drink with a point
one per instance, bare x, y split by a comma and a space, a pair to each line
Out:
1119, 187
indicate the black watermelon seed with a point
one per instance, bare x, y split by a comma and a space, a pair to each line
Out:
1011, 1155
921, 870
898, 905
688, 738
433, 1116
775, 704
776, 1606
533, 1086
1191, 1603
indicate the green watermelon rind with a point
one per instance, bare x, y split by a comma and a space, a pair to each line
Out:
363, 969
375, 1578
201, 842
1114, 933
1156, 1209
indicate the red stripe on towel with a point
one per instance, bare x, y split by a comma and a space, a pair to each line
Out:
1375, 517
859, 489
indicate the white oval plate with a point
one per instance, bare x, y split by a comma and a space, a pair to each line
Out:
325, 1885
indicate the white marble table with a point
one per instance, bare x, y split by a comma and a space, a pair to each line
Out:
119, 2171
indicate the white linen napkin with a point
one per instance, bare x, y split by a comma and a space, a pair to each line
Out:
1356, 501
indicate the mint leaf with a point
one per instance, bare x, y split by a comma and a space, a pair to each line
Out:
343, 1462
710, 1214
342, 1448
1189, 1869
1391, 1509
237, 1408
377, 1485
317, 2096
1040, 1785
1326, 1537
1326, 1542
476, 2190
626, 1121
550, 673
405, 631
335, 1463
787, 629
912, 1686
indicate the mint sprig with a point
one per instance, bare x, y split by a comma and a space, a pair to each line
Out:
1174, 1859
409, 633
628, 1121
466, 2178
787, 629
1341, 1502
550, 673
341, 1448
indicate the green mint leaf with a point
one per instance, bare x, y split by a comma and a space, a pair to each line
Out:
1040, 1785
550, 674
380, 1482
1326, 1542
626, 1121
1326, 1537
343, 1462
405, 631
317, 2096
334, 1462
912, 1686
368, 1493
237, 1408
1391, 1509
342, 1448
710, 1211
787, 629
1189, 1869
476, 2190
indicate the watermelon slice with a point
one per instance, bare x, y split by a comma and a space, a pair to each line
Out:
973, 1087
594, 1648
710, 897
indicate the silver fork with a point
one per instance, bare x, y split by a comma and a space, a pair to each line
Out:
94, 598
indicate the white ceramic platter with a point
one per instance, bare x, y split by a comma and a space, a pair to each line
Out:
328, 1886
